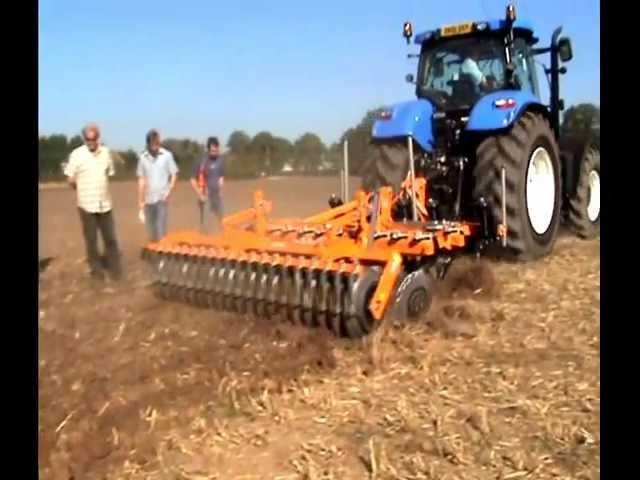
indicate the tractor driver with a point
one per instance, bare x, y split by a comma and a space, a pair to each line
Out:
470, 67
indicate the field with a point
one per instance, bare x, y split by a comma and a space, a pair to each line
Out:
500, 380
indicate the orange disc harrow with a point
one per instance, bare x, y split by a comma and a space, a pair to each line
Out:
339, 269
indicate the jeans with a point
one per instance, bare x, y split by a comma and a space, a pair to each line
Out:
214, 204
156, 215
103, 222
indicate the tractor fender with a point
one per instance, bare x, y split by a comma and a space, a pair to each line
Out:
412, 118
488, 115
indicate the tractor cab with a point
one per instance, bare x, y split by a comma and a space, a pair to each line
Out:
455, 71
462, 64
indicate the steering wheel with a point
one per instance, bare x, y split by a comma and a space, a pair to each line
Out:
492, 83
439, 97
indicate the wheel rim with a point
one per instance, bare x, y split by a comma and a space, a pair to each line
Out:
541, 190
417, 302
593, 207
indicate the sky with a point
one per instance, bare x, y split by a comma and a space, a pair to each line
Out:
196, 68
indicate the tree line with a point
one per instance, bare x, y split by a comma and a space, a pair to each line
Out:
269, 154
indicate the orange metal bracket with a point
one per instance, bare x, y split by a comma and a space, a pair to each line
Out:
386, 285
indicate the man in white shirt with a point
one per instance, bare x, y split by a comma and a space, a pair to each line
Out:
157, 173
87, 172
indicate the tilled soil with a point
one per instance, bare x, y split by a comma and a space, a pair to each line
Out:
499, 380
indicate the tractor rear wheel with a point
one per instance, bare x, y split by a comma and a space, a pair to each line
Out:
387, 165
530, 157
583, 214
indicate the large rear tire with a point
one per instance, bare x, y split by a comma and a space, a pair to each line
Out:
583, 213
530, 156
387, 165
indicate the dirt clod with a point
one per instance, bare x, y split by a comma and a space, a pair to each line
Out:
469, 278
453, 320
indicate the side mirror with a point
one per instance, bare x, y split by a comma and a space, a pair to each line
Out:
564, 49
410, 78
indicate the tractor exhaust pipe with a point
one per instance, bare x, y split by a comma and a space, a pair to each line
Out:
556, 104
414, 213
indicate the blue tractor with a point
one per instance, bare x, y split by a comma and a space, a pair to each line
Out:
488, 146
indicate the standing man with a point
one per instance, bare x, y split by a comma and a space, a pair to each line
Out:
157, 173
207, 181
87, 172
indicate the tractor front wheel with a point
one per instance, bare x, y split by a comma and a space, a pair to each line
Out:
583, 215
529, 154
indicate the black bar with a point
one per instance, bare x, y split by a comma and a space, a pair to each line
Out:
555, 83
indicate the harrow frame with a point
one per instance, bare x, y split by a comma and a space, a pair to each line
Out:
345, 247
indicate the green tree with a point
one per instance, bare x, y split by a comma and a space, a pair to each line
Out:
581, 120
241, 161
238, 142
334, 157
359, 138
308, 153
75, 142
128, 163
53, 151
186, 153
581, 125
239, 166
261, 152
281, 154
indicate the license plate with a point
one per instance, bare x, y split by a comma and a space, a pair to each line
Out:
457, 29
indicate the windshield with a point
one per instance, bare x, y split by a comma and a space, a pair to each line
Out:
455, 73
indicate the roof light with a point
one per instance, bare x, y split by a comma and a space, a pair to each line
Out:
385, 115
505, 103
481, 27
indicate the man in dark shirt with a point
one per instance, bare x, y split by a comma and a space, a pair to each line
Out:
207, 181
